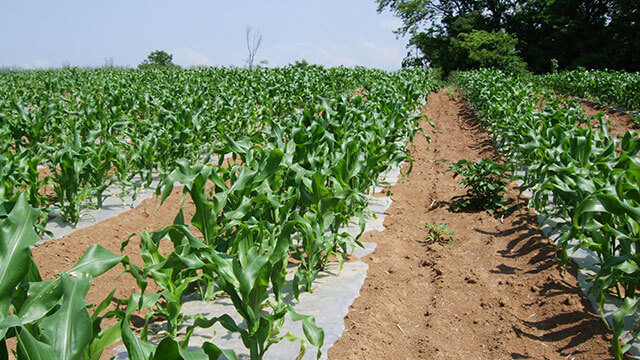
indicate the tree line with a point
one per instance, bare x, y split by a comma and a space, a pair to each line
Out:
519, 35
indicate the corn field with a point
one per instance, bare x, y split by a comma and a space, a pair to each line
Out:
307, 146
276, 163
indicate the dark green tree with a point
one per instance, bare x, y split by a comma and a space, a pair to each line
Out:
441, 32
305, 65
574, 32
588, 33
158, 59
482, 49
625, 27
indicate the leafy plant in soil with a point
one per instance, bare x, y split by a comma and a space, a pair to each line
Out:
486, 183
438, 233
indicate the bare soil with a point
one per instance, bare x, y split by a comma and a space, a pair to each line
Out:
498, 292
620, 121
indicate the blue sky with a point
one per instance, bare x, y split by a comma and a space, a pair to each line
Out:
39, 33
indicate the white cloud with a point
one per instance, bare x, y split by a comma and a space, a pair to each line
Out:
324, 53
391, 24
390, 56
190, 57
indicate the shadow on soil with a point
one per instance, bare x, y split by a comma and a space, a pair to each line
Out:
471, 123
529, 243
572, 327
574, 330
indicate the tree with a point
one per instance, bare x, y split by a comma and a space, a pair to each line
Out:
588, 33
625, 26
484, 49
158, 59
304, 64
254, 40
108, 63
436, 29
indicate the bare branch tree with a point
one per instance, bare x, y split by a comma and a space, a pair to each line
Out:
254, 40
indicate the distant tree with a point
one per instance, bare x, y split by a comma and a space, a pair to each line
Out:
108, 63
464, 42
595, 34
301, 63
158, 59
254, 40
305, 64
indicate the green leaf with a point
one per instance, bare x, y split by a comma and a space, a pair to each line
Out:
34, 349
274, 160
105, 338
168, 349
10, 321
247, 276
69, 329
16, 235
312, 332
95, 262
136, 348
42, 297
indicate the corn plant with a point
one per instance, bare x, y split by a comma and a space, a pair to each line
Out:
121, 123
576, 172
234, 233
49, 319
617, 88
308, 152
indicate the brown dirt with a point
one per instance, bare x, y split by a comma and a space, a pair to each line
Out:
497, 293
47, 190
620, 121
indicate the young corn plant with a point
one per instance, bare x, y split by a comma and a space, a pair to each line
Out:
49, 319
88, 127
608, 223
70, 170
577, 173
243, 250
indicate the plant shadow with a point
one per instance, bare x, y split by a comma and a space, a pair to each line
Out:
577, 322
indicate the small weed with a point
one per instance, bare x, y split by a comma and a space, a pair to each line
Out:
438, 233
635, 120
453, 95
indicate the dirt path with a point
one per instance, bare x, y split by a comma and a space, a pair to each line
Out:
496, 293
